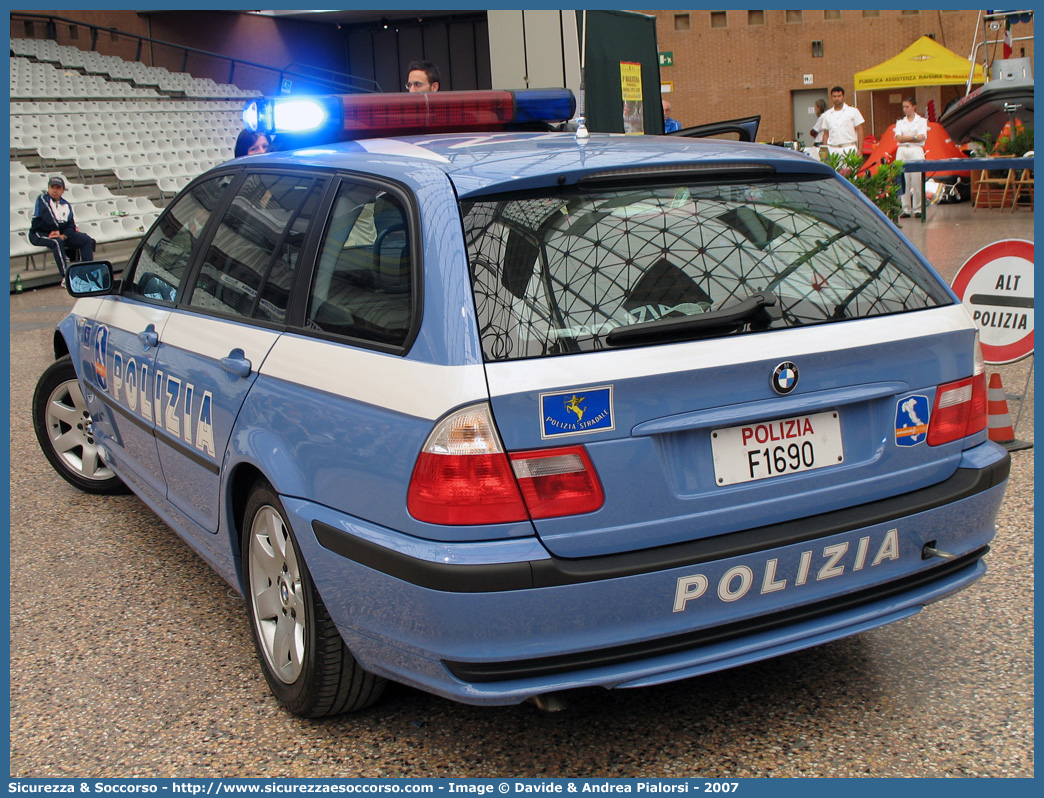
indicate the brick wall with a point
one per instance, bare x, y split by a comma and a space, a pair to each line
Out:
745, 69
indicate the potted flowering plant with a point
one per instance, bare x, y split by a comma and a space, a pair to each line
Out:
882, 187
1017, 145
1006, 146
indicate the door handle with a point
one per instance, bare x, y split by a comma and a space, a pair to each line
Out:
149, 337
236, 363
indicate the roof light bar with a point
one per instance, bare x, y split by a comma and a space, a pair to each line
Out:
292, 114
352, 116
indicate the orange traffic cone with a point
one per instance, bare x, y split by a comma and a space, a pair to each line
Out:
1000, 427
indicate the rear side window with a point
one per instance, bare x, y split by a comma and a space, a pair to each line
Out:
557, 272
167, 251
363, 286
249, 266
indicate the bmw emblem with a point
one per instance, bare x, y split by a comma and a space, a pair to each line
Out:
785, 378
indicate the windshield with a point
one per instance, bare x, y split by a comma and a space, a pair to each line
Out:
556, 272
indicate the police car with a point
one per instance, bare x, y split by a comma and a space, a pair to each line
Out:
498, 414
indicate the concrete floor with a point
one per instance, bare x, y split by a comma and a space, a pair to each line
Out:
953, 233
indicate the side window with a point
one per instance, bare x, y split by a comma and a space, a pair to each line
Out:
167, 251
249, 267
363, 280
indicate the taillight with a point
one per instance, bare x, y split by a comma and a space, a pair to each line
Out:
960, 407
463, 476
557, 482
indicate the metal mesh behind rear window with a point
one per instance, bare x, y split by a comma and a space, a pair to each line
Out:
554, 273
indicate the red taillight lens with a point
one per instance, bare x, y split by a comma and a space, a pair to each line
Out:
463, 477
960, 407
558, 482
979, 414
464, 489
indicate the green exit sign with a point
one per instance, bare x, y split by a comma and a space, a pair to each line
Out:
667, 59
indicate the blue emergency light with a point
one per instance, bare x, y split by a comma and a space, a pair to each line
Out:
353, 116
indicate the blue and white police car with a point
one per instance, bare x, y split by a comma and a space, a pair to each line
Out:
497, 414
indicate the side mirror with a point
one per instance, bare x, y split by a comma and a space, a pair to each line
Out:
155, 287
93, 278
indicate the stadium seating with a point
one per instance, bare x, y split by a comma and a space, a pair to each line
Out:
125, 136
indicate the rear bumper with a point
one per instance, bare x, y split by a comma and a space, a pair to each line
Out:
497, 622
945, 578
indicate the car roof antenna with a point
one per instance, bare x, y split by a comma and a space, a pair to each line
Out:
581, 122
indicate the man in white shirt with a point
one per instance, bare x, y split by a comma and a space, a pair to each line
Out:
842, 124
911, 132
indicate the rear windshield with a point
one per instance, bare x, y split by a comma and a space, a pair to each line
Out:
557, 272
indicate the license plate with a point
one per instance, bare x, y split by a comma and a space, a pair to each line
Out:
773, 448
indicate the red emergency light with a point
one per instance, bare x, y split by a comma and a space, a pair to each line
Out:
353, 116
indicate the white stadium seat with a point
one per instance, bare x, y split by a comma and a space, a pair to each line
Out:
98, 117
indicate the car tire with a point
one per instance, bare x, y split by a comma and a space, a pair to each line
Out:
64, 429
304, 659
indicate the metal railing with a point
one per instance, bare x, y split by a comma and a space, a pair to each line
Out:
335, 76
961, 165
271, 78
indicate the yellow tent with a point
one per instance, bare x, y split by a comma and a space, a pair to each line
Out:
923, 63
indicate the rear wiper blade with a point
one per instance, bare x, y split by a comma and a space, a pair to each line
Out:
714, 322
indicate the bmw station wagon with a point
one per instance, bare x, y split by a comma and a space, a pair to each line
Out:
500, 413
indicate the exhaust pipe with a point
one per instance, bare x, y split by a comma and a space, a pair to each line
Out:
549, 702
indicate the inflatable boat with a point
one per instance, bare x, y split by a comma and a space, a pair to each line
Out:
986, 110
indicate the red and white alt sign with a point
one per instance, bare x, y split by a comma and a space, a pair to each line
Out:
996, 286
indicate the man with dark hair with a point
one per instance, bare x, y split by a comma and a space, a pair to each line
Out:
53, 226
423, 76
842, 125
